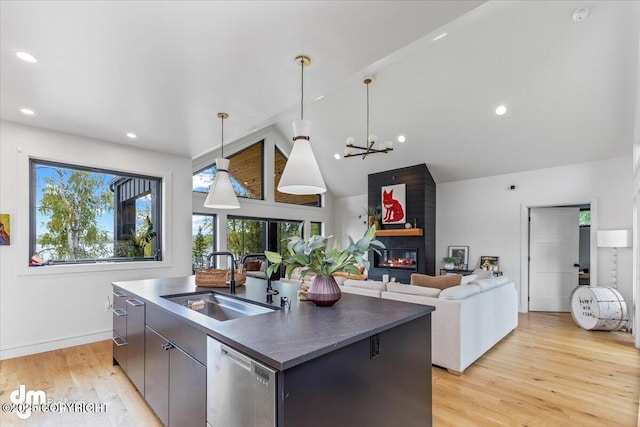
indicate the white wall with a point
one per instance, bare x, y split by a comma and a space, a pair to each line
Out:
267, 208
52, 307
483, 214
348, 209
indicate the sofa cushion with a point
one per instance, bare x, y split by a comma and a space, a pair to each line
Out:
467, 279
413, 290
349, 275
440, 282
460, 292
366, 284
486, 284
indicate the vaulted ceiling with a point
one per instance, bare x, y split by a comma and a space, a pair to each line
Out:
163, 70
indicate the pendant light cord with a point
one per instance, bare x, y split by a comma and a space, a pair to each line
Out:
367, 135
302, 90
222, 136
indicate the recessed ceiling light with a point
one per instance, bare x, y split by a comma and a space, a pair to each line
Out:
501, 110
132, 135
26, 57
336, 156
440, 36
401, 138
580, 14
27, 112
318, 98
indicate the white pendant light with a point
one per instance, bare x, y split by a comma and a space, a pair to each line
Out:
221, 194
301, 174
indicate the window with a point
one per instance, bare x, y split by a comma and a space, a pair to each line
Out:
307, 200
80, 214
315, 228
585, 218
279, 232
245, 172
246, 236
203, 240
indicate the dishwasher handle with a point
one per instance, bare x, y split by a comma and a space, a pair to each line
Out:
236, 356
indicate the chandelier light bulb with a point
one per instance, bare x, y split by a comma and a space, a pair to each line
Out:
372, 138
351, 140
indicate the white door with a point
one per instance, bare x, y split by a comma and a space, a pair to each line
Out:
554, 254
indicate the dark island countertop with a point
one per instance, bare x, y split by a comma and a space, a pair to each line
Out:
289, 336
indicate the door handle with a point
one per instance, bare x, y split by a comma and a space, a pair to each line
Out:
576, 265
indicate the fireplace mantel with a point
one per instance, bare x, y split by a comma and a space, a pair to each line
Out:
399, 232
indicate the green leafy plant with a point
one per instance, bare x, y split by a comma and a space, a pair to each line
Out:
141, 238
371, 211
449, 260
314, 256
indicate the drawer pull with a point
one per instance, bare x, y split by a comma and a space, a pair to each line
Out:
135, 302
119, 294
119, 312
119, 341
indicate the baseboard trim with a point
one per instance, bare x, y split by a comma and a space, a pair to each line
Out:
55, 344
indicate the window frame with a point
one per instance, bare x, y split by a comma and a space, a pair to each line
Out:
214, 236
157, 212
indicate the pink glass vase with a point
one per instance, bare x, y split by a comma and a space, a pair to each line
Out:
324, 291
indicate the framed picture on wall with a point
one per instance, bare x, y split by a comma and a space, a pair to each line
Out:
461, 254
394, 210
5, 229
490, 263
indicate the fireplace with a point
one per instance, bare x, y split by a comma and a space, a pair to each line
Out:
398, 259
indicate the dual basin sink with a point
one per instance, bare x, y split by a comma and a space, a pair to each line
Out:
219, 307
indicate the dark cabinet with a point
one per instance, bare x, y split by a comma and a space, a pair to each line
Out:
175, 383
135, 342
119, 311
128, 336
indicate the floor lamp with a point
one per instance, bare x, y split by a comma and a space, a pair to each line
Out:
614, 239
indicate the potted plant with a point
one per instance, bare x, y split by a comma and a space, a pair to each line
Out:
313, 256
141, 239
373, 215
449, 262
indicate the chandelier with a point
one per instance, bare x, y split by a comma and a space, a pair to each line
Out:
353, 150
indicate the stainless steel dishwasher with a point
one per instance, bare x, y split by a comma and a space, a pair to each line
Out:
241, 392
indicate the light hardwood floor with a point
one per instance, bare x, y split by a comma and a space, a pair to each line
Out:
548, 372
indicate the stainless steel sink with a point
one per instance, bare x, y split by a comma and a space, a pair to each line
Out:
218, 307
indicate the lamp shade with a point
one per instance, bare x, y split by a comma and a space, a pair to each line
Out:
221, 194
301, 174
614, 239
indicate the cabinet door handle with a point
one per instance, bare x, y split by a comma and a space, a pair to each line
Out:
119, 294
167, 346
134, 302
119, 341
119, 311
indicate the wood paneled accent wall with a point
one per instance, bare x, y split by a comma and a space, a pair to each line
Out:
420, 206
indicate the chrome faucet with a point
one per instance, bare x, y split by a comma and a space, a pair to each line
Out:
232, 282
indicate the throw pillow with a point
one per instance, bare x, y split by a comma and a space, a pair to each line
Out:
253, 265
440, 282
468, 278
487, 284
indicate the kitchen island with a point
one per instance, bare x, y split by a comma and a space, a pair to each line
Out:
363, 361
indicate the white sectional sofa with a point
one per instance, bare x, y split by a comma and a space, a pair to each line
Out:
469, 319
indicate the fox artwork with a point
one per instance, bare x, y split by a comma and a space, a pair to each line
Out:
393, 206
